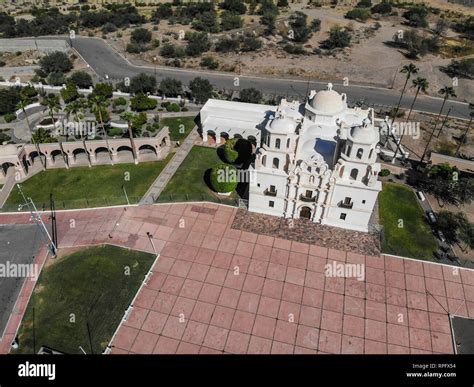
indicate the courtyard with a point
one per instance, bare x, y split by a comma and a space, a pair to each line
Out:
279, 300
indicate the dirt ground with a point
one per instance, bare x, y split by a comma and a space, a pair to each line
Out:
369, 60
26, 58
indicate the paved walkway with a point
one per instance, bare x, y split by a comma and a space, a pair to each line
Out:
165, 176
245, 292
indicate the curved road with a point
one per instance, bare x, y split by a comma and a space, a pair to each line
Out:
105, 60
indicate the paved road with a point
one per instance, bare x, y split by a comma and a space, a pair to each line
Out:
104, 60
18, 245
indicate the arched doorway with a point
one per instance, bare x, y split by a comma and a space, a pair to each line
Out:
305, 212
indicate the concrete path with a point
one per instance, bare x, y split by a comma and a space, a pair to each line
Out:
165, 176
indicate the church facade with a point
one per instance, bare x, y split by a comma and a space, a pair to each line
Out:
315, 160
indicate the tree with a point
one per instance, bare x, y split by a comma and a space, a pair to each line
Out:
81, 79
55, 62
76, 108
315, 25
383, 8
104, 90
201, 89
207, 22
251, 95
164, 11
53, 104
99, 105
22, 104
339, 37
250, 43
268, 19
171, 87
299, 27
421, 84
42, 136
140, 36
234, 6
230, 21
227, 45
143, 83
416, 16
446, 91
130, 117
408, 70
8, 99
141, 102
456, 228
69, 93
198, 43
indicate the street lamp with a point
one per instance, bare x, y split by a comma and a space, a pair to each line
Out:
154, 62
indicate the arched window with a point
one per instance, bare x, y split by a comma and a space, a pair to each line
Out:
341, 172
276, 162
277, 143
360, 152
287, 143
311, 179
354, 174
370, 154
349, 148
268, 140
264, 160
309, 169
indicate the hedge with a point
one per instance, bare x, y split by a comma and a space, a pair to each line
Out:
223, 178
231, 155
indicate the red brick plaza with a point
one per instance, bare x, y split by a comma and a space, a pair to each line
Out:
215, 289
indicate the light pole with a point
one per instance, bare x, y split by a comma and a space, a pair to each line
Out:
125, 192
148, 234
154, 63
240, 63
38, 220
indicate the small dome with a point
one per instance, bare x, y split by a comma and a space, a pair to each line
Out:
364, 134
283, 125
328, 101
8, 150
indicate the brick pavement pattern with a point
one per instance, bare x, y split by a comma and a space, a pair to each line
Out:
216, 289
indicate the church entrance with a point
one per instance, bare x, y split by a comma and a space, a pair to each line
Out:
305, 212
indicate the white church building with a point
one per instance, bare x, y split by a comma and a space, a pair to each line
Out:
315, 160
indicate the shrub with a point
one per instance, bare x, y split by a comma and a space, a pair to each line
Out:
384, 172
223, 178
231, 155
230, 21
81, 79
9, 117
295, 49
250, 43
142, 102
251, 95
315, 25
171, 87
209, 62
339, 37
361, 14
227, 45
382, 8
172, 107
120, 101
140, 36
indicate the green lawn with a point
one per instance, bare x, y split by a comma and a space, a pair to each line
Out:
179, 126
405, 230
89, 287
189, 182
88, 187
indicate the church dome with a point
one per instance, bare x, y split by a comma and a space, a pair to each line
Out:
328, 101
364, 134
283, 125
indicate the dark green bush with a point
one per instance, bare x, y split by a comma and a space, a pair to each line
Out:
223, 178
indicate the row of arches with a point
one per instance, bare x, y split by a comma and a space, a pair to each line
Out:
99, 152
360, 152
224, 136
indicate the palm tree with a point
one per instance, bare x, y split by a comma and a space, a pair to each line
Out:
407, 69
76, 108
464, 135
447, 91
99, 105
22, 104
421, 84
53, 103
129, 117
